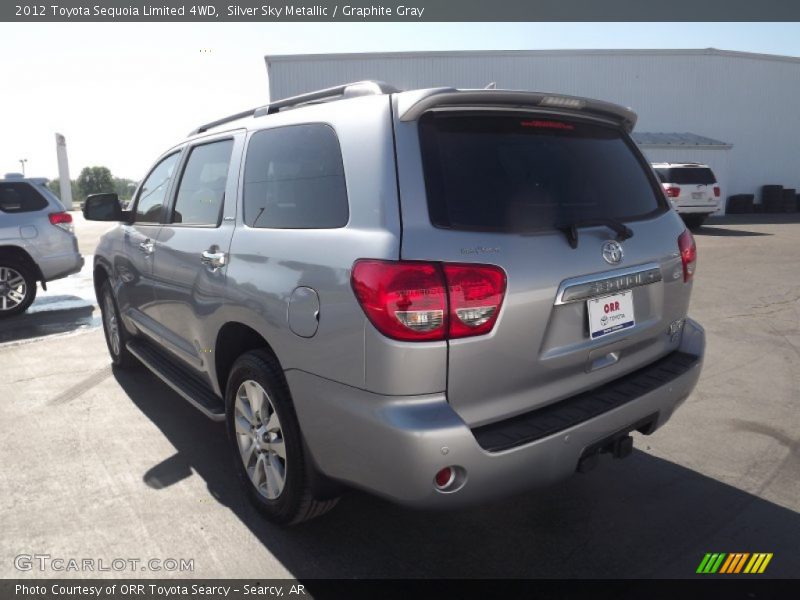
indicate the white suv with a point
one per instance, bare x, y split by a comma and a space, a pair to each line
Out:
691, 188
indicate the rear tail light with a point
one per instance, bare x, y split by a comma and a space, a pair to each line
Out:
672, 191
62, 220
475, 293
688, 250
421, 301
716, 191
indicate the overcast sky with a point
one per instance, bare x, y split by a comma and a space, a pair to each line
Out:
122, 93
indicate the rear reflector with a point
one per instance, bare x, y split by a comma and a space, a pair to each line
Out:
62, 220
444, 477
421, 301
688, 250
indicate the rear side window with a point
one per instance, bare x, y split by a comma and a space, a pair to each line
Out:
20, 198
687, 175
522, 174
294, 179
202, 188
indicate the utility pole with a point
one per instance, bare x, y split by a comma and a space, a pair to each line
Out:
63, 172
22, 162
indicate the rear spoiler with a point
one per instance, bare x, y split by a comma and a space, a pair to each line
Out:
411, 105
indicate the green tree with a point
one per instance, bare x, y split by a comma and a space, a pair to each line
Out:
55, 187
124, 187
94, 180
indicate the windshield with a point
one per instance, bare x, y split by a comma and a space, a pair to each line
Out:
518, 173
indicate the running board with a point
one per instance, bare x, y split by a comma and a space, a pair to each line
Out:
179, 379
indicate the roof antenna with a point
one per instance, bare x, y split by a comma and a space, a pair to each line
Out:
491, 86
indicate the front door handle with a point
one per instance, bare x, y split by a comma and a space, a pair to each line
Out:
147, 246
213, 260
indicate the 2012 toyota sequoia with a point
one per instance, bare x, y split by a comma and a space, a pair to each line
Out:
439, 296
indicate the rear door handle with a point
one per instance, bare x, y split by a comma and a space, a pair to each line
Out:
213, 260
147, 246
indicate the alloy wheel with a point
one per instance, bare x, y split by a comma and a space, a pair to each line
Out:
13, 288
260, 439
111, 325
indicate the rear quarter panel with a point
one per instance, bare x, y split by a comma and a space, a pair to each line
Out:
267, 265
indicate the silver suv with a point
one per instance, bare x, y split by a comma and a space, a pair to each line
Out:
37, 241
438, 296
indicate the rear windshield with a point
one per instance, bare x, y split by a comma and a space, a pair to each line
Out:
520, 174
20, 197
687, 175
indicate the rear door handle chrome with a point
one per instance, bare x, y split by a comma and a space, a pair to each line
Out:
213, 260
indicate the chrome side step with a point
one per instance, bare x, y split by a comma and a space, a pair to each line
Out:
194, 391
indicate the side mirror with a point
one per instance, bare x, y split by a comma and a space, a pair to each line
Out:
103, 207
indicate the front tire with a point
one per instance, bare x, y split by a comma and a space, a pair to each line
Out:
266, 442
17, 287
114, 330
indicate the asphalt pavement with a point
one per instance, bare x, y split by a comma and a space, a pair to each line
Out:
100, 464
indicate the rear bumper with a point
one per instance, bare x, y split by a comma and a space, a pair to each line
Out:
702, 209
393, 446
61, 265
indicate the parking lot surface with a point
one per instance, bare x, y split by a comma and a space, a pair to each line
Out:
102, 464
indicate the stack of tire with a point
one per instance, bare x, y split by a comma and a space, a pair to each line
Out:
789, 200
739, 204
772, 198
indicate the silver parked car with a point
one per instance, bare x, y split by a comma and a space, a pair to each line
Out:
438, 296
37, 241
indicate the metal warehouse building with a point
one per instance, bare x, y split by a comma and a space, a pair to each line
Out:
738, 112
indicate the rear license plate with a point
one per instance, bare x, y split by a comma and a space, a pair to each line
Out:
697, 195
610, 313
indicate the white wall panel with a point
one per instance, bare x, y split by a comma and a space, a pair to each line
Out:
747, 100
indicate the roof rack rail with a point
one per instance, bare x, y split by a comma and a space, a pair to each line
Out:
218, 122
348, 90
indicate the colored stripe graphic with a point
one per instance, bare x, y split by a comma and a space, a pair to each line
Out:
727, 564
758, 563
738, 562
722, 563
703, 563
711, 562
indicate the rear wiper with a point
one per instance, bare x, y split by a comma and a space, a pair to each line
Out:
571, 231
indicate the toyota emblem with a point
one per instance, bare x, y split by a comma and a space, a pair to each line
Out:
612, 252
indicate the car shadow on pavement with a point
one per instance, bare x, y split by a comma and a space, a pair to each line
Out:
725, 232
635, 518
755, 219
40, 323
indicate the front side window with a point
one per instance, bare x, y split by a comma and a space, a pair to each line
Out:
150, 201
201, 192
514, 173
19, 198
294, 179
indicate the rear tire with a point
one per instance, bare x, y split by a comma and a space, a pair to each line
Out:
17, 287
115, 334
694, 222
266, 443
